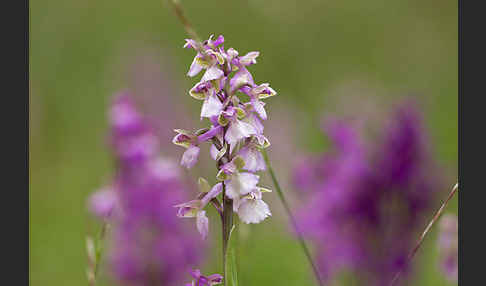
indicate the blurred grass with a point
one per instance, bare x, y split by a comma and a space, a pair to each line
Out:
307, 48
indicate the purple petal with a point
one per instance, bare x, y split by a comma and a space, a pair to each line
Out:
219, 40
214, 192
196, 273
215, 279
210, 133
188, 209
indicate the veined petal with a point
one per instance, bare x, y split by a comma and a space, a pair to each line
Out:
253, 159
255, 122
212, 106
259, 109
202, 223
253, 211
189, 158
212, 73
238, 130
241, 184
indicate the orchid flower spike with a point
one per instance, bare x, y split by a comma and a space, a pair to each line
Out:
234, 106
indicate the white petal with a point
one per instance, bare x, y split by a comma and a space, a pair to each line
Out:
238, 130
253, 211
249, 58
195, 68
212, 73
211, 107
241, 184
213, 151
259, 109
255, 122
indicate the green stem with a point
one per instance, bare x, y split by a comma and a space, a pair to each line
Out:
227, 224
99, 246
424, 233
98, 250
292, 219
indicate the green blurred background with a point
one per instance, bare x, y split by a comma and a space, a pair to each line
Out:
309, 49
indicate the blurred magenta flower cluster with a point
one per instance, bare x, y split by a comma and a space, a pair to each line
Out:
365, 201
148, 244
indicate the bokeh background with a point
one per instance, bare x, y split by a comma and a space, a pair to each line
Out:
312, 52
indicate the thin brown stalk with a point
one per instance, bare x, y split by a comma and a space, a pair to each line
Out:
424, 233
187, 25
